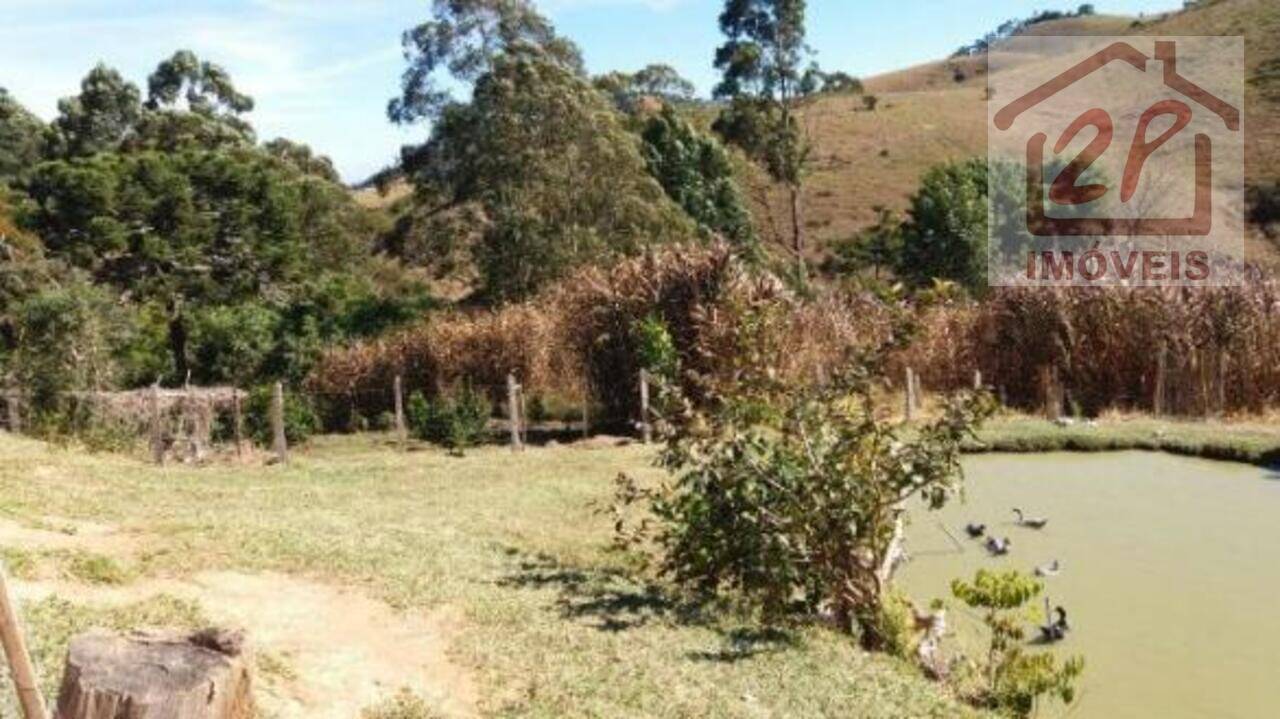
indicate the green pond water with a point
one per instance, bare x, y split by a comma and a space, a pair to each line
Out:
1170, 574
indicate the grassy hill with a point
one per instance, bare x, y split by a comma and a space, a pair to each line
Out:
936, 112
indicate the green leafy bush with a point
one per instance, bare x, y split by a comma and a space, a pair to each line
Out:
792, 499
655, 347
456, 421
300, 421
1014, 680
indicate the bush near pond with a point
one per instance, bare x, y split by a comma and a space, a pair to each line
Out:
456, 420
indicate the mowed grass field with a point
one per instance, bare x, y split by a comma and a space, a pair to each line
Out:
543, 619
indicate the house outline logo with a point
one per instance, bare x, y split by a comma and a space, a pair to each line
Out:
1065, 191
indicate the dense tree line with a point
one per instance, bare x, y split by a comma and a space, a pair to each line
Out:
149, 237
544, 168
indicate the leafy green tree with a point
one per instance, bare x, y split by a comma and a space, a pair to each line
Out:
945, 235
463, 38
206, 87
303, 158
763, 75
197, 228
190, 100
23, 272
1015, 679
558, 179
100, 118
876, 248
21, 139
231, 262
232, 343
656, 81
839, 83
696, 172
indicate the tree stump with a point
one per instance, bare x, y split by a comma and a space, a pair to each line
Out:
158, 676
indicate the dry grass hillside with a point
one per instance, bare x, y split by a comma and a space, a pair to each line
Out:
935, 112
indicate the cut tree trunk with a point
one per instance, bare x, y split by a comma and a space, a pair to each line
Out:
200, 676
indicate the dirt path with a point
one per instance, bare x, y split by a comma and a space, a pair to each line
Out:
323, 651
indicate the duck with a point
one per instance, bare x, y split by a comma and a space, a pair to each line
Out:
1049, 570
1030, 522
975, 530
998, 547
1056, 630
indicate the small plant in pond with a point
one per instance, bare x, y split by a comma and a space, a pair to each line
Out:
456, 420
794, 498
1014, 681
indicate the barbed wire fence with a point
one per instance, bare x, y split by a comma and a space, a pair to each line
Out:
184, 424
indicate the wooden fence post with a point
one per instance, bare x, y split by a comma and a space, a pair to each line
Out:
281, 443
401, 433
586, 415
513, 412
197, 427
910, 402
1157, 397
1051, 392
237, 419
15, 652
157, 426
14, 400
524, 416
646, 428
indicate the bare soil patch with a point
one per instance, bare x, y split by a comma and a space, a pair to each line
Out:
332, 651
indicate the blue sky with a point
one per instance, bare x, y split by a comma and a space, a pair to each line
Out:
323, 70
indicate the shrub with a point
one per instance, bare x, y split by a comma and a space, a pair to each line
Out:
792, 499
456, 421
300, 421
1015, 680
870, 102
656, 349
1263, 203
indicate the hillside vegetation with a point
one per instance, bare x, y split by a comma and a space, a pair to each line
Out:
935, 112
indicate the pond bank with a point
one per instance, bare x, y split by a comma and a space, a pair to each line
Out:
1250, 443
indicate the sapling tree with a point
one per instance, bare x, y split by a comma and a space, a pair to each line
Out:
794, 498
1014, 680
764, 76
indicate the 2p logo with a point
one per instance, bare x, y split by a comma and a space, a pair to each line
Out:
1142, 184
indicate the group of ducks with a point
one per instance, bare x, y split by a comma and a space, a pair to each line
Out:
1056, 627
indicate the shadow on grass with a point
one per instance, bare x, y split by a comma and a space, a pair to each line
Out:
612, 601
